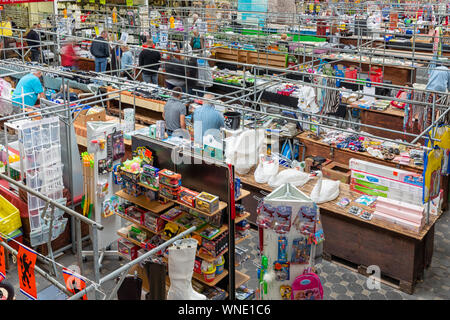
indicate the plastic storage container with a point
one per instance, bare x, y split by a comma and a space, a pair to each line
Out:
9, 217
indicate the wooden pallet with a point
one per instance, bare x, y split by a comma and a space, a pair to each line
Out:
401, 285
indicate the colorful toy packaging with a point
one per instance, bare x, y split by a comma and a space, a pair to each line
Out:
149, 176
207, 202
187, 196
153, 222
172, 193
169, 178
127, 248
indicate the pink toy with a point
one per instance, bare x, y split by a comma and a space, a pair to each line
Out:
307, 287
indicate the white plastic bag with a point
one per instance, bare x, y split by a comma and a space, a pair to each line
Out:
296, 177
266, 169
6, 107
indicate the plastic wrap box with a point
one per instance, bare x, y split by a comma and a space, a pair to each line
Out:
207, 202
127, 248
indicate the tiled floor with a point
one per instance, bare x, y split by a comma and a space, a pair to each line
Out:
339, 283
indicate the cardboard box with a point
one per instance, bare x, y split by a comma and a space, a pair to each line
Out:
82, 118
337, 171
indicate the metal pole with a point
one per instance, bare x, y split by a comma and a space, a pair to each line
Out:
95, 258
40, 271
127, 266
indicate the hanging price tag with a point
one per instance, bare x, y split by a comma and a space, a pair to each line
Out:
102, 1
26, 260
91, 1
129, 3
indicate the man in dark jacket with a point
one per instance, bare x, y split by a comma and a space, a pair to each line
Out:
33, 41
149, 60
100, 51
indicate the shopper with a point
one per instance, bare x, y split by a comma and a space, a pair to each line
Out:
149, 60
197, 41
69, 56
34, 41
207, 120
174, 112
126, 62
28, 90
100, 51
175, 73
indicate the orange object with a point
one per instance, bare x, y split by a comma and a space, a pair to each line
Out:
73, 282
26, 260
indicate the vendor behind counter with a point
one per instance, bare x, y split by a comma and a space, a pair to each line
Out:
28, 90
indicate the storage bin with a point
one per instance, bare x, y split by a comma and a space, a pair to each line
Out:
9, 217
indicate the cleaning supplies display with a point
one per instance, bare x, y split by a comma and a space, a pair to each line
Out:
40, 153
287, 221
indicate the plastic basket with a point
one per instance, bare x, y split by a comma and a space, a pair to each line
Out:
9, 217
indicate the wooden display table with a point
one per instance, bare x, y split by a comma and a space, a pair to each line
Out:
276, 60
391, 118
128, 98
398, 74
318, 148
400, 254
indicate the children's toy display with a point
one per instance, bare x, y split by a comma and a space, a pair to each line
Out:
245, 293
216, 246
40, 154
149, 176
187, 196
207, 202
169, 184
288, 232
126, 248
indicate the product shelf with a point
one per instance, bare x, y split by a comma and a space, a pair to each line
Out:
240, 278
240, 239
123, 232
222, 205
137, 223
148, 187
218, 278
142, 201
244, 193
243, 217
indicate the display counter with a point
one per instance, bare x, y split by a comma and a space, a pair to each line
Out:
401, 255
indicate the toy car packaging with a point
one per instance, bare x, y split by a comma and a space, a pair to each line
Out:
149, 176
171, 193
169, 178
207, 202
187, 196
